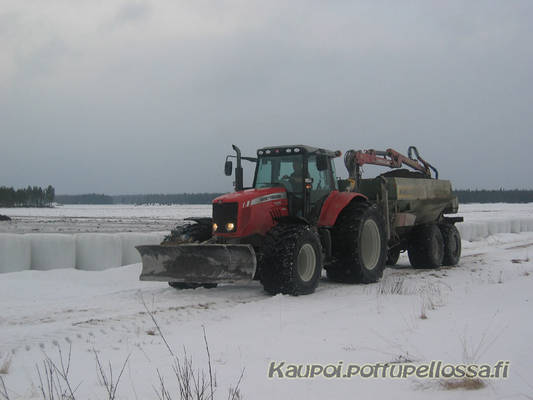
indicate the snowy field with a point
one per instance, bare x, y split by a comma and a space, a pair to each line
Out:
131, 218
98, 218
479, 311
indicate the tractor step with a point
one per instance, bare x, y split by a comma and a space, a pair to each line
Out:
198, 263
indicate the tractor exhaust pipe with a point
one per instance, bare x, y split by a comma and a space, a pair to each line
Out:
239, 182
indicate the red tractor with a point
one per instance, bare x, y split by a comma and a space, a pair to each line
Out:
298, 218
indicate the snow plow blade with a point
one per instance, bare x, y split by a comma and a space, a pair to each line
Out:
198, 263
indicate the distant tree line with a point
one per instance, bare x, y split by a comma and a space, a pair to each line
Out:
94, 198
89, 198
494, 196
32, 196
465, 196
181, 198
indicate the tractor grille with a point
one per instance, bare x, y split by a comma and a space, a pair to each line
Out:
224, 213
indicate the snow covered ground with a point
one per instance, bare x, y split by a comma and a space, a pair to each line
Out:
98, 218
478, 311
131, 218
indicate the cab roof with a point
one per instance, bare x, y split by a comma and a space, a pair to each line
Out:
295, 149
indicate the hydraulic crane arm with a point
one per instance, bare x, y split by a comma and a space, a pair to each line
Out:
354, 160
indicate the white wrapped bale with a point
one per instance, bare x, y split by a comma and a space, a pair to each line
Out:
130, 255
494, 227
481, 231
98, 251
515, 226
505, 226
465, 230
15, 252
526, 225
52, 250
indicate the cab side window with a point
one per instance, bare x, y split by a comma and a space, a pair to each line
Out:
322, 180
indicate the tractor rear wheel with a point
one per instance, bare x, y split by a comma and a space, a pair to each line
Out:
359, 245
197, 232
426, 246
291, 260
452, 244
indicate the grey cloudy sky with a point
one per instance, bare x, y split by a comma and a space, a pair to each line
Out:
139, 96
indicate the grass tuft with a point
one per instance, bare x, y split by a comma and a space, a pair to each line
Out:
5, 365
464, 383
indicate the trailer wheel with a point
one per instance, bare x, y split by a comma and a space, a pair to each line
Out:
359, 245
393, 255
452, 244
291, 261
426, 246
197, 232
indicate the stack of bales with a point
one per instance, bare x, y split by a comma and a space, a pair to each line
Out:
86, 251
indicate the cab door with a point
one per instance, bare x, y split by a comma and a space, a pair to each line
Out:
323, 182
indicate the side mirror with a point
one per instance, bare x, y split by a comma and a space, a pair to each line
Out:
322, 162
228, 167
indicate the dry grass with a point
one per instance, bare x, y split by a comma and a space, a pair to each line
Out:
54, 379
519, 260
105, 376
3, 390
464, 383
5, 364
473, 350
391, 285
190, 382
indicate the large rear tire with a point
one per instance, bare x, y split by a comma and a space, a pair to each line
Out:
197, 232
452, 244
426, 246
291, 261
359, 245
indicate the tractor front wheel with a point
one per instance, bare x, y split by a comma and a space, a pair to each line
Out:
197, 232
187, 285
291, 261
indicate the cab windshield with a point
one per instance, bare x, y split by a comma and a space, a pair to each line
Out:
286, 171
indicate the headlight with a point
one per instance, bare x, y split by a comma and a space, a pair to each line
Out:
215, 227
230, 226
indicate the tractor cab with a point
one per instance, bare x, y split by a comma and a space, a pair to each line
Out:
306, 173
